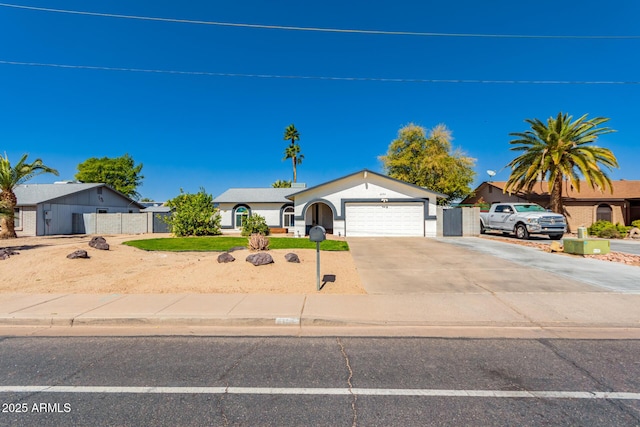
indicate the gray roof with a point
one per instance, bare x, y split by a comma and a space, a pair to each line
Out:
305, 190
157, 209
255, 195
33, 194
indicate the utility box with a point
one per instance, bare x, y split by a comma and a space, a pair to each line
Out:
586, 246
582, 233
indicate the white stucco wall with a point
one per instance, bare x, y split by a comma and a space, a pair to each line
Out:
226, 212
270, 211
430, 228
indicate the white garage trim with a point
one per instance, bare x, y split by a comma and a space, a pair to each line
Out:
384, 219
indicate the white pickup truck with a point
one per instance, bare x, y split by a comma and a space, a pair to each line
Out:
523, 219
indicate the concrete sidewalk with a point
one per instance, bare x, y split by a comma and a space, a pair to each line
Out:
466, 287
596, 315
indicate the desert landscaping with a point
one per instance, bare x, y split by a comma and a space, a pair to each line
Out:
42, 266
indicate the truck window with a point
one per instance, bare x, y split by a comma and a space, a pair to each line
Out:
529, 208
502, 208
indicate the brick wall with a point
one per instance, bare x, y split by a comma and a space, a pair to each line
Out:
115, 223
583, 214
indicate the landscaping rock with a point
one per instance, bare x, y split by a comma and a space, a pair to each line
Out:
99, 242
260, 259
6, 253
225, 257
80, 253
291, 257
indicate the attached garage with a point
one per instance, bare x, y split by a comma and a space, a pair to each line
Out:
384, 219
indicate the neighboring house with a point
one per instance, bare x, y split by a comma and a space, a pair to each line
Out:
364, 203
581, 208
47, 209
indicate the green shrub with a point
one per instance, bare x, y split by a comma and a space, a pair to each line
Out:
622, 229
610, 233
607, 230
193, 215
597, 227
636, 223
255, 224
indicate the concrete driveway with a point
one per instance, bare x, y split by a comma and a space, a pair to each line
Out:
415, 265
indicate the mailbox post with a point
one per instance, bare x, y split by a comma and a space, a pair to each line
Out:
317, 234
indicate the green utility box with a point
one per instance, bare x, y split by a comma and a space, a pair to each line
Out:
586, 246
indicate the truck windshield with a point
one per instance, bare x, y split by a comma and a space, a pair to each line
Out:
529, 208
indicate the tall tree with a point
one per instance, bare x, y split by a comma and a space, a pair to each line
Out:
561, 149
10, 177
119, 173
425, 158
293, 150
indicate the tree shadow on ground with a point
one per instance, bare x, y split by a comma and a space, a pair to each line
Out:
21, 247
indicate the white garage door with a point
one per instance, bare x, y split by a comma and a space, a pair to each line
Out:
384, 219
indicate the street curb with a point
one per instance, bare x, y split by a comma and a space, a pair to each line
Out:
304, 322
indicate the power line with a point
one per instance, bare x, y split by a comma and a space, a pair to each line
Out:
316, 29
333, 78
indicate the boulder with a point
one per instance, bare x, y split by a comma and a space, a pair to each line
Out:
261, 258
98, 242
80, 253
291, 257
225, 257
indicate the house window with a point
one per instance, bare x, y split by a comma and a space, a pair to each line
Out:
242, 213
287, 217
17, 219
604, 212
102, 210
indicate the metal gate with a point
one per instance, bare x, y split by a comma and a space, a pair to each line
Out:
452, 222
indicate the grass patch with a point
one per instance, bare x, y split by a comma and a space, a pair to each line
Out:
224, 243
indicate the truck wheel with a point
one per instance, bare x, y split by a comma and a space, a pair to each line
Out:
482, 229
555, 236
521, 232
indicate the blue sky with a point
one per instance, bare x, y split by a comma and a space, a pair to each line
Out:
216, 132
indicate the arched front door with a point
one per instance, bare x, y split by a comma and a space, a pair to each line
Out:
319, 213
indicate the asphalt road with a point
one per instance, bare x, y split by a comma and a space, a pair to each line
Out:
626, 246
317, 381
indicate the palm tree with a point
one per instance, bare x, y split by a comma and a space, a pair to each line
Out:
10, 177
281, 184
293, 150
4, 210
559, 150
